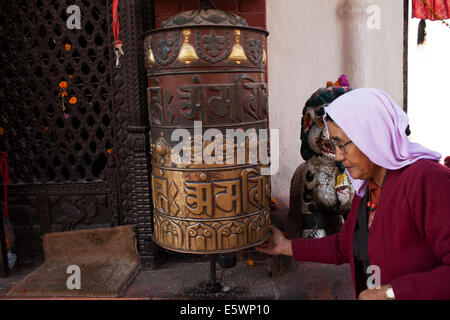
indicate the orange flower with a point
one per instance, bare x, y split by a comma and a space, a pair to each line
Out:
329, 84
63, 84
337, 84
67, 46
70, 76
2, 131
250, 262
64, 93
109, 150
73, 100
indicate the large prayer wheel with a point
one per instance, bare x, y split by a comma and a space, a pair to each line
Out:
206, 86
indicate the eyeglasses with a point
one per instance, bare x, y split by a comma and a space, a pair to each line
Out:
334, 144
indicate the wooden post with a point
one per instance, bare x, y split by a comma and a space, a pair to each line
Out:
3, 254
405, 54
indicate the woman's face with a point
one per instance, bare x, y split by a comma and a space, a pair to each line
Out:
356, 162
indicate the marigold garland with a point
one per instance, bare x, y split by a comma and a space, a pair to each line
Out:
341, 82
434, 13
63, 84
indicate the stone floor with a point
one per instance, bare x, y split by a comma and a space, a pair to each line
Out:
187, 279
184, 276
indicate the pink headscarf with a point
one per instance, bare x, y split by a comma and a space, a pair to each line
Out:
376, 125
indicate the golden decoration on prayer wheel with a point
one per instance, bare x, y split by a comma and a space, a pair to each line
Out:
238, 54
187, 52
150, 62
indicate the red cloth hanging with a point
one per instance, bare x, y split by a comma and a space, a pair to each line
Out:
115, 22
440, 7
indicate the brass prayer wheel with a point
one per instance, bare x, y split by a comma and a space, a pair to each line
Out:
206, 77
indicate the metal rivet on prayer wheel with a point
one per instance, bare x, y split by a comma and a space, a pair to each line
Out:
207, 101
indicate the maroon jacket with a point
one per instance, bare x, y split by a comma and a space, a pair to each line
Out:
409, 238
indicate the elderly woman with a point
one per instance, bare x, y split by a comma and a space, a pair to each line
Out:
399, 223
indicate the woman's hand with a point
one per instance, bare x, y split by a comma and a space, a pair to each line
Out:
374, 294
276, 244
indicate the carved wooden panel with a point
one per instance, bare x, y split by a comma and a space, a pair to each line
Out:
48, 139
84, 164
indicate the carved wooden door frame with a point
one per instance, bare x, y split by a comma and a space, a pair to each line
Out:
133, 167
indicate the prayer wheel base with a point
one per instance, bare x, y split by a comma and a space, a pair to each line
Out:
162, 245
